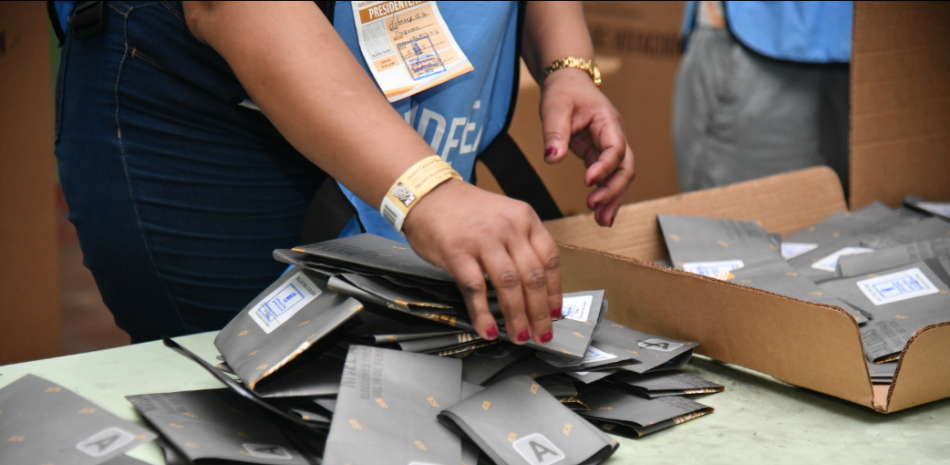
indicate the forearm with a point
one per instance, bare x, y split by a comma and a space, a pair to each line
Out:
554, 30
296, 68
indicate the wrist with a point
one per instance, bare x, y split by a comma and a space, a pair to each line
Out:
586, 65
572, 77
412, 186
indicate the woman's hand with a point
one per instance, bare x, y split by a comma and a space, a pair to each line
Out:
470, 232
577, 115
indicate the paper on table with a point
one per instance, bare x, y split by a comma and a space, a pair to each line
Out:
43, 422
216, 424
387, 406
517, 422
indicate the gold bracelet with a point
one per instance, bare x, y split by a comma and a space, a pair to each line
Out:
414, 184
574, 62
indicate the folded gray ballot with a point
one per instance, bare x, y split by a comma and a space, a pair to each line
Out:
582, 313
929, 228
715, 247
882, 373
379, 325
665, 383
941, 209
902, 300
274, 409
481, 365
282, 322
439, 343
216, 425
624, 414
517, 422
653, 352
814, 251
783, 279
376, 254
599, 356
589, 377
43, 422
314, 377
905, 254
387, 406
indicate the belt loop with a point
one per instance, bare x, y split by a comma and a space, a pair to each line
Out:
87, 20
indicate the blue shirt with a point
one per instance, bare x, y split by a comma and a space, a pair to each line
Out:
806, 32
460, 117
63, 9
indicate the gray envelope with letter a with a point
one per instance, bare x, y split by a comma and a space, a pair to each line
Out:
518, 422
43, 422
387, 406
216, 425
654, 353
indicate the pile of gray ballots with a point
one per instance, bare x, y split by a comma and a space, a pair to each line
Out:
364, 353
888, 268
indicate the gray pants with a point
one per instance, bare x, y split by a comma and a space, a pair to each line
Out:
738, 115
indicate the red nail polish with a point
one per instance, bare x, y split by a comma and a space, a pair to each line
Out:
492, 332
556, 313
546, 337
550, 152
523, 336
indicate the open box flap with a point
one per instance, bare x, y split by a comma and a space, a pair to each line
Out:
923, 374
805, 344
782, 203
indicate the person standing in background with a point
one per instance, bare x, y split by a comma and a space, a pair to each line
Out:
763, 88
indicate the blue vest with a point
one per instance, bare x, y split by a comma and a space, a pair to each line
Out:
460, 117
805, 32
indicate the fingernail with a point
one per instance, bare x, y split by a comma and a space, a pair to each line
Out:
523, 336
546, 337
492, 332
556, 313
550, 152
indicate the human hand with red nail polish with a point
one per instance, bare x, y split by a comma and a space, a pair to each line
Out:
575, 114
471, 233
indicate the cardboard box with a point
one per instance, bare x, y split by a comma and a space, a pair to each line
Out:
900, 102
900, 145
29, 270
637, 47
809, 345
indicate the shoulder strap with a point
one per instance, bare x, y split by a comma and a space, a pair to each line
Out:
517, 177
330, 211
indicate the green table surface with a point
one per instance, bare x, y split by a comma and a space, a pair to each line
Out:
757, 419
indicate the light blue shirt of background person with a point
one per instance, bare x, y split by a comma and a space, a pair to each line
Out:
804, 32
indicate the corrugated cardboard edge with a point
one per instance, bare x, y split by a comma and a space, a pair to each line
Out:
805, 344
900, 126
923, 372
783, 203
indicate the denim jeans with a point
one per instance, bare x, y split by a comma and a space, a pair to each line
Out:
179, 195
